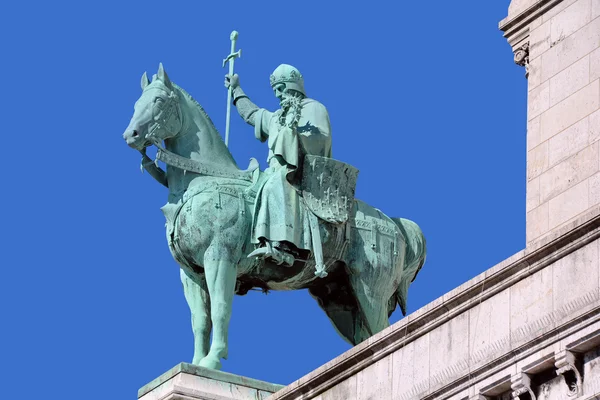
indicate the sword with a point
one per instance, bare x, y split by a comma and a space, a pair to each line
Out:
230, 58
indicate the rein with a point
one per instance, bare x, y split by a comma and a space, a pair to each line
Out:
187, 164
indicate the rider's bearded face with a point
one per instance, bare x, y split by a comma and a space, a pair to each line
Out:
280, 92
287, 99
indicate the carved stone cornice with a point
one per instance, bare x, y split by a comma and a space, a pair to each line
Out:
516, 27
565, 363
522, 57
521, 384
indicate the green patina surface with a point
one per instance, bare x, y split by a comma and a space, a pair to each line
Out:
294, 226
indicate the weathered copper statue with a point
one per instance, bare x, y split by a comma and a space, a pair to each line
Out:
294, 226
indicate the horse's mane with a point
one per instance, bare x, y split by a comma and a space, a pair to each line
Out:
189, 97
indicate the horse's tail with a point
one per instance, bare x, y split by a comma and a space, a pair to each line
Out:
416, 250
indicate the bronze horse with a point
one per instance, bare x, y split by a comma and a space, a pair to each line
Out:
370, 260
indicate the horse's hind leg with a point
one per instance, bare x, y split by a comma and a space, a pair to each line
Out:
373, 304
341, 308
196, 294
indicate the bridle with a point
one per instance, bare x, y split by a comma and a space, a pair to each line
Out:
168, 118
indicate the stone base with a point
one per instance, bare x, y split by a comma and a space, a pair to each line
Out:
190, 382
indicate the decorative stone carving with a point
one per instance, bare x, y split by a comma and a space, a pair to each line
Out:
521, 386
522, 57
565, 363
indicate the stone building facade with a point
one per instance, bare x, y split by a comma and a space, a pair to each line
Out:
557, 42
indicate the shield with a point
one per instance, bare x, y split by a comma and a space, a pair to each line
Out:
328, 187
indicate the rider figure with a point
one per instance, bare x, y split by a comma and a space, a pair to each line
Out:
301, 126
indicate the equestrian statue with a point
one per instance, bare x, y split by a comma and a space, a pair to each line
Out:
295, 225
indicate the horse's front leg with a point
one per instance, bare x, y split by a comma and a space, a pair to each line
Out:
220, 278
196, 294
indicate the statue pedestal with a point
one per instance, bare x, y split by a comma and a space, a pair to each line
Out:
190, 382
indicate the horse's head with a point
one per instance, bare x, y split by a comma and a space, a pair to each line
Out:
157, 114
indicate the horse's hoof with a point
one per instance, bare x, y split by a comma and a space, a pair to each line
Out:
197, 360
210, 362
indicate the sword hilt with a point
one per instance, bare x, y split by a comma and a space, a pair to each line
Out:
237, 54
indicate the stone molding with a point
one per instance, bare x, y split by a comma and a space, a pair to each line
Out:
516, 27
521, 265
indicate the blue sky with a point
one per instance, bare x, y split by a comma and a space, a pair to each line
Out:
424, 100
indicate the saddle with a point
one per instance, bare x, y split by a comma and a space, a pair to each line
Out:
326, 187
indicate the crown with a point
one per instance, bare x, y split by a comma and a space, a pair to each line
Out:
293, 76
